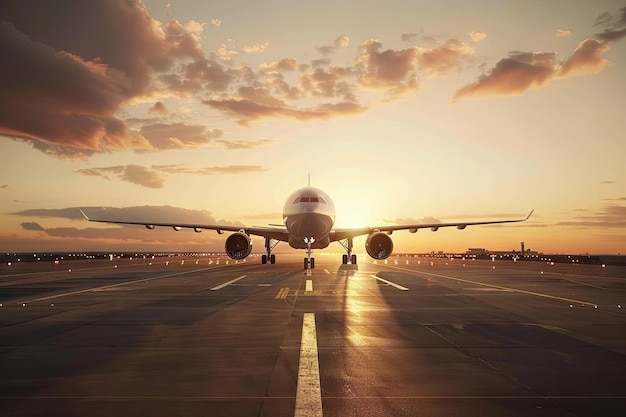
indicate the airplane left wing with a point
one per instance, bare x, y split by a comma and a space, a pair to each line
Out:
345, 233
275, 233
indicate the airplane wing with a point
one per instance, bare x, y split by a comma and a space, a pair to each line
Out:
345, 233
275, 233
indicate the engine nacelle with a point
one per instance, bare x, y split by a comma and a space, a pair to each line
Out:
379, 245
238, 245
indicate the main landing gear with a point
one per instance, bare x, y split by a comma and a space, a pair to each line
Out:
347, 245
309, 262
270, 244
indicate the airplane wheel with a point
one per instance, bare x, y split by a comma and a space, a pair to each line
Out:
312, 263
273, 259
353, 259
264, 259
344, 259
306, 263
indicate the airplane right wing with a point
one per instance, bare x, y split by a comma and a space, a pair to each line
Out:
345, 233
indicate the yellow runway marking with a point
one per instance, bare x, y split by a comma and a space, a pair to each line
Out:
282, 294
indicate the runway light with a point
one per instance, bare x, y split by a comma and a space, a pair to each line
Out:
23, 304
603, 266
9, 263
618, 306
570, 306
494, 267
541, 272
69, 270
595, 306
116, 266
52, 305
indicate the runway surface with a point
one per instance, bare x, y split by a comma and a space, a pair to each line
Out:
407, 337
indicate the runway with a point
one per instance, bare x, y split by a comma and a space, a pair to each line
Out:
206, 336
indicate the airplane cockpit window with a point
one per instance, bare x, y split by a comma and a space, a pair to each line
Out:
309, 200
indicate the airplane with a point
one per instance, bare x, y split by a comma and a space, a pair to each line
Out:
308, 219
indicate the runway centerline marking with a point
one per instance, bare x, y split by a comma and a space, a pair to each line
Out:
500, 287
226, 284
308, 392
393, 284
110, 286
309, 285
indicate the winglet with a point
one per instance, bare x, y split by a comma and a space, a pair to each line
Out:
529, 214
84, 215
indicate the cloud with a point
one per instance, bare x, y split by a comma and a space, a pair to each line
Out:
156, 175
561, 33
256, 48
611, 216
444, 58
224, 54
134, 174
230, 169
392, 71
158, 108
32, 226
163, 136
616, 26
521, 71
342, 41
514, 75
586, 59
247, 110
244, 144
130, 233
477, 36
73, 77
216, 22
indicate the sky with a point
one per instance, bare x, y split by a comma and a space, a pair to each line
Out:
402, 111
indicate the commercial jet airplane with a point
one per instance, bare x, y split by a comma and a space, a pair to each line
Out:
308, 217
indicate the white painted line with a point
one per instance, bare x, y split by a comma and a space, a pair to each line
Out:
326, 271
309, 285
110, 286
226, 284
501, 287
309, 392
400, 287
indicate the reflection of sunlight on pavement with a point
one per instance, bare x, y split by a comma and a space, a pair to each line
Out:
362, 299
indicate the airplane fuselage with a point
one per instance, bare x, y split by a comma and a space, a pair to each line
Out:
309, 213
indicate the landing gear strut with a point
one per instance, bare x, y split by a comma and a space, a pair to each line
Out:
270, 244
309, 262
347, 245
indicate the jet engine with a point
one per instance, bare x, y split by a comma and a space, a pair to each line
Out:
379, 245
238, 245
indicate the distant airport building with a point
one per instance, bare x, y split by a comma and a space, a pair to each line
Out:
477, 251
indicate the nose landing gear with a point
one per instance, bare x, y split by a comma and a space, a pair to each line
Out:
309, 262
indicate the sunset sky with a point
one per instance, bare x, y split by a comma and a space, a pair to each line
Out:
402, 111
